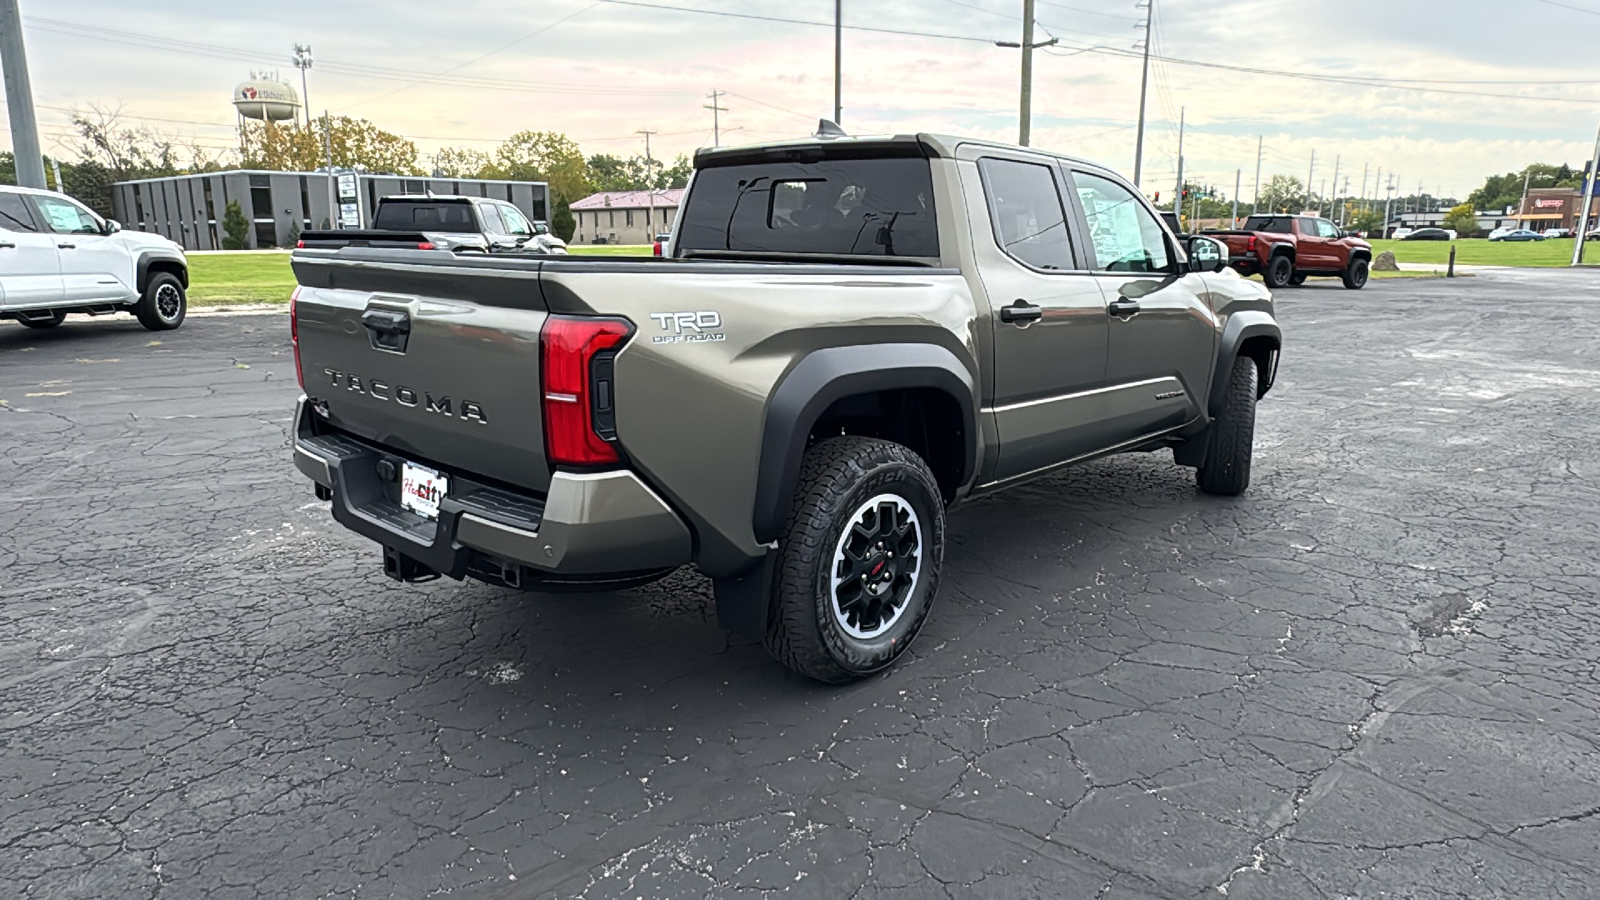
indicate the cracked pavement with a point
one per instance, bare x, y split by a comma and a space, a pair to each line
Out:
1372, 676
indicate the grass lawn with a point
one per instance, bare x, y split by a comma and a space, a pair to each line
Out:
1479, 252
223, 279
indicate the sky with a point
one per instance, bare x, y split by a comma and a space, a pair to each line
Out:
1467, 88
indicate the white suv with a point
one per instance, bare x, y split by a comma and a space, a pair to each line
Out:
58, 257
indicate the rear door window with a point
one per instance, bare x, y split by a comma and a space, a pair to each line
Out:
825, 207
14, 213
1030, 221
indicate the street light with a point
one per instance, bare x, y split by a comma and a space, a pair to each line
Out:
302, 61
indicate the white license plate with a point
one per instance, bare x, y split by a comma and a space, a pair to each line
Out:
421, 489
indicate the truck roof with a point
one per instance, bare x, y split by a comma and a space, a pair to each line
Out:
935, 145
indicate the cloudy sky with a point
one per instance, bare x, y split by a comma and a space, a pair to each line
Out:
1463, 88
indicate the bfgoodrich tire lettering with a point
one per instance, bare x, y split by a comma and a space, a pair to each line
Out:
164, 304
859, 562
1230, 440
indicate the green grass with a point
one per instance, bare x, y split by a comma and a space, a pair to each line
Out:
225, 279
1479, 252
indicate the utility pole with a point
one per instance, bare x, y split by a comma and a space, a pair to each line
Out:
1309, 172
1322, 195
302, 61
838, 70
1522, 207
19, 98
1177, 196
1337, 159
716, 122
649, 183
1028, 46
1238, 182
1588, 201
1388, 191
1255, 205
1144, 89
1344, 207
1377, 183
333, 196
1364, 184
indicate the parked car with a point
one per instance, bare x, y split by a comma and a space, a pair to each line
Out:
1401, 234
1286, 249
460, 224
1430, 234
1520, 234
845, 344
1558, 232
1499, 233
57, 257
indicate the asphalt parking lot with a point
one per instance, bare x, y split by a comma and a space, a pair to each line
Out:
1373, 676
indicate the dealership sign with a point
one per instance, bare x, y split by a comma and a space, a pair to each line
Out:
1549, 204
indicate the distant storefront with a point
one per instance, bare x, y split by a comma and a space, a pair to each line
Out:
1555, 208
279, 205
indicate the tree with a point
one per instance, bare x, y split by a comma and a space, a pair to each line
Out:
357, 144
1501, 191
1366, 220
545, 156
236, 229
460, 162
1283, 194
677, 176
1463, 220
110, 151
562, 222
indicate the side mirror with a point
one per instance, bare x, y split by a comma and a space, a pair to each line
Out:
1207, 254
112, 226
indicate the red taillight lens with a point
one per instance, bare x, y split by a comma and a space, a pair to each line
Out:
425, 245
576, 357
294, 336
1250, 247
299, 245
658, 248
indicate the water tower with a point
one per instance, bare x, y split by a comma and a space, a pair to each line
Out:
266, 99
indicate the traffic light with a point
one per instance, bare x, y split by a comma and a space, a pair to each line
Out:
1158, 196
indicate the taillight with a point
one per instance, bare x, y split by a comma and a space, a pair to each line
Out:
577, 360
294, 336
299, 245
425, 245
658, 248
1250, 246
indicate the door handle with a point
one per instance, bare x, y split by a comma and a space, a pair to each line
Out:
67, 246
1124, 307
7, 245
1021, 311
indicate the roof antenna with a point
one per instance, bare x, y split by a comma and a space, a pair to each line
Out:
829, 129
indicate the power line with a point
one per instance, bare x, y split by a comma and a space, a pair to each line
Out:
734, 15
1573, 8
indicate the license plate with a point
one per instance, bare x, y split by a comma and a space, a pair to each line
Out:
421, 489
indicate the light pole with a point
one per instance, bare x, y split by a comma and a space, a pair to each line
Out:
1588, 201
1025, 114
1144, 89
302, 61
19, 99
1261, 144
838, 64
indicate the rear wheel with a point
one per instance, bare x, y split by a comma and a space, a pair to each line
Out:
859, 565
46, 318
1279, 271
163, 305
1230, 440
1355, 277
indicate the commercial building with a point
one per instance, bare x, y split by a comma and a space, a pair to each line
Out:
1556, 208
625, 217
279, 205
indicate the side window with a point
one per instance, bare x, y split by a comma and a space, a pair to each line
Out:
516, 222
1030, 222
65, 217
1127, 238
14, 214
1327, 229
491, 218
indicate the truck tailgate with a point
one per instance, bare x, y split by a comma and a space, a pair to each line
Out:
437, 363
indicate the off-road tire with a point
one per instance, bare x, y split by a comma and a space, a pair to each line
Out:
1355, 275
57, 316
1296, 280
1279, 270
160, 309
1231, 436
839, 478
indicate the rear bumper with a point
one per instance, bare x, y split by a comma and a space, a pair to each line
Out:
590, 524
1245, 265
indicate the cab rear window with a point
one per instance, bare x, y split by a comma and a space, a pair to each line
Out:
827, 207
409, 216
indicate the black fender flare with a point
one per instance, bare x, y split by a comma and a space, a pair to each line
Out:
148, 257
825, 376
1241, 326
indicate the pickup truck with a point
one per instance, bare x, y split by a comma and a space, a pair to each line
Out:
1284, 250
461, 224
58, 257
846, 339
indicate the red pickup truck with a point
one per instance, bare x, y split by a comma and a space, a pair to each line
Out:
1284, 250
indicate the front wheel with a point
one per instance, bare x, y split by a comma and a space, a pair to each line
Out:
1355, 277
1279, 271
1230, 440
859, 565
164, 304
1296, 280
